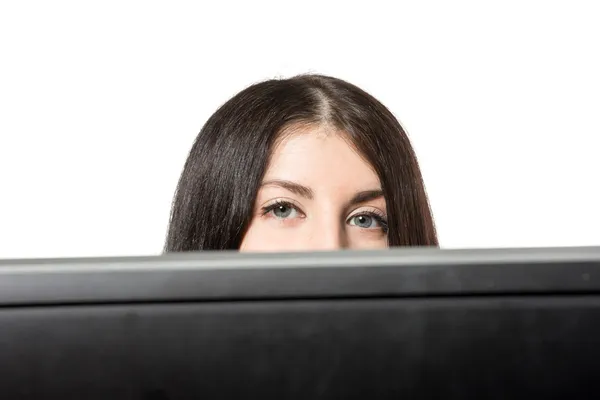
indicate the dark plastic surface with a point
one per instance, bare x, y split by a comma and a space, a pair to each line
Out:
227, 276
452, 325
448, 348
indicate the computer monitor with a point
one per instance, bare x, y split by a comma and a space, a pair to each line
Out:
394, 324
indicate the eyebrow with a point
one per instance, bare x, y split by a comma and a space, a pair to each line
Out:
306, 192
364, 196
293, 187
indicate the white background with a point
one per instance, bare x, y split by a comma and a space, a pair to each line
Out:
101, 101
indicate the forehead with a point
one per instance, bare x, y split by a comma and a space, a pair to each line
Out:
320, 157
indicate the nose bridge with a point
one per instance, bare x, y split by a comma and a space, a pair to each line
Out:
329, 234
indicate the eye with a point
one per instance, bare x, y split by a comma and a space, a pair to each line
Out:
364, 221
281, 210
368, 220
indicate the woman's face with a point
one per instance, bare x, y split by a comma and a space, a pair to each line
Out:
317, 194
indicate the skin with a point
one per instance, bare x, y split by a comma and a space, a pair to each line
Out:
318, 194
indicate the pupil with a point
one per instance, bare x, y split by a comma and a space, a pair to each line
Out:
282, 211
364, 221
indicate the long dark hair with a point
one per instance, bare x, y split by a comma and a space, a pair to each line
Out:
214, 200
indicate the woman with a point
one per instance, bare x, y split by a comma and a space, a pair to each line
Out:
307, 163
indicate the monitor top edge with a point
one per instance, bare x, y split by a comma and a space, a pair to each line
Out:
234, 260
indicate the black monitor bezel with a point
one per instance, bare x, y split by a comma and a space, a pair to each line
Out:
228, 276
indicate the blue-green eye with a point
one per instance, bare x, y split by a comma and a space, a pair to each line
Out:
368, 220
364, 221
281, 210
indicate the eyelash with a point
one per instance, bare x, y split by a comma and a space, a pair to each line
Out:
373, 213
377, 215
279, 203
